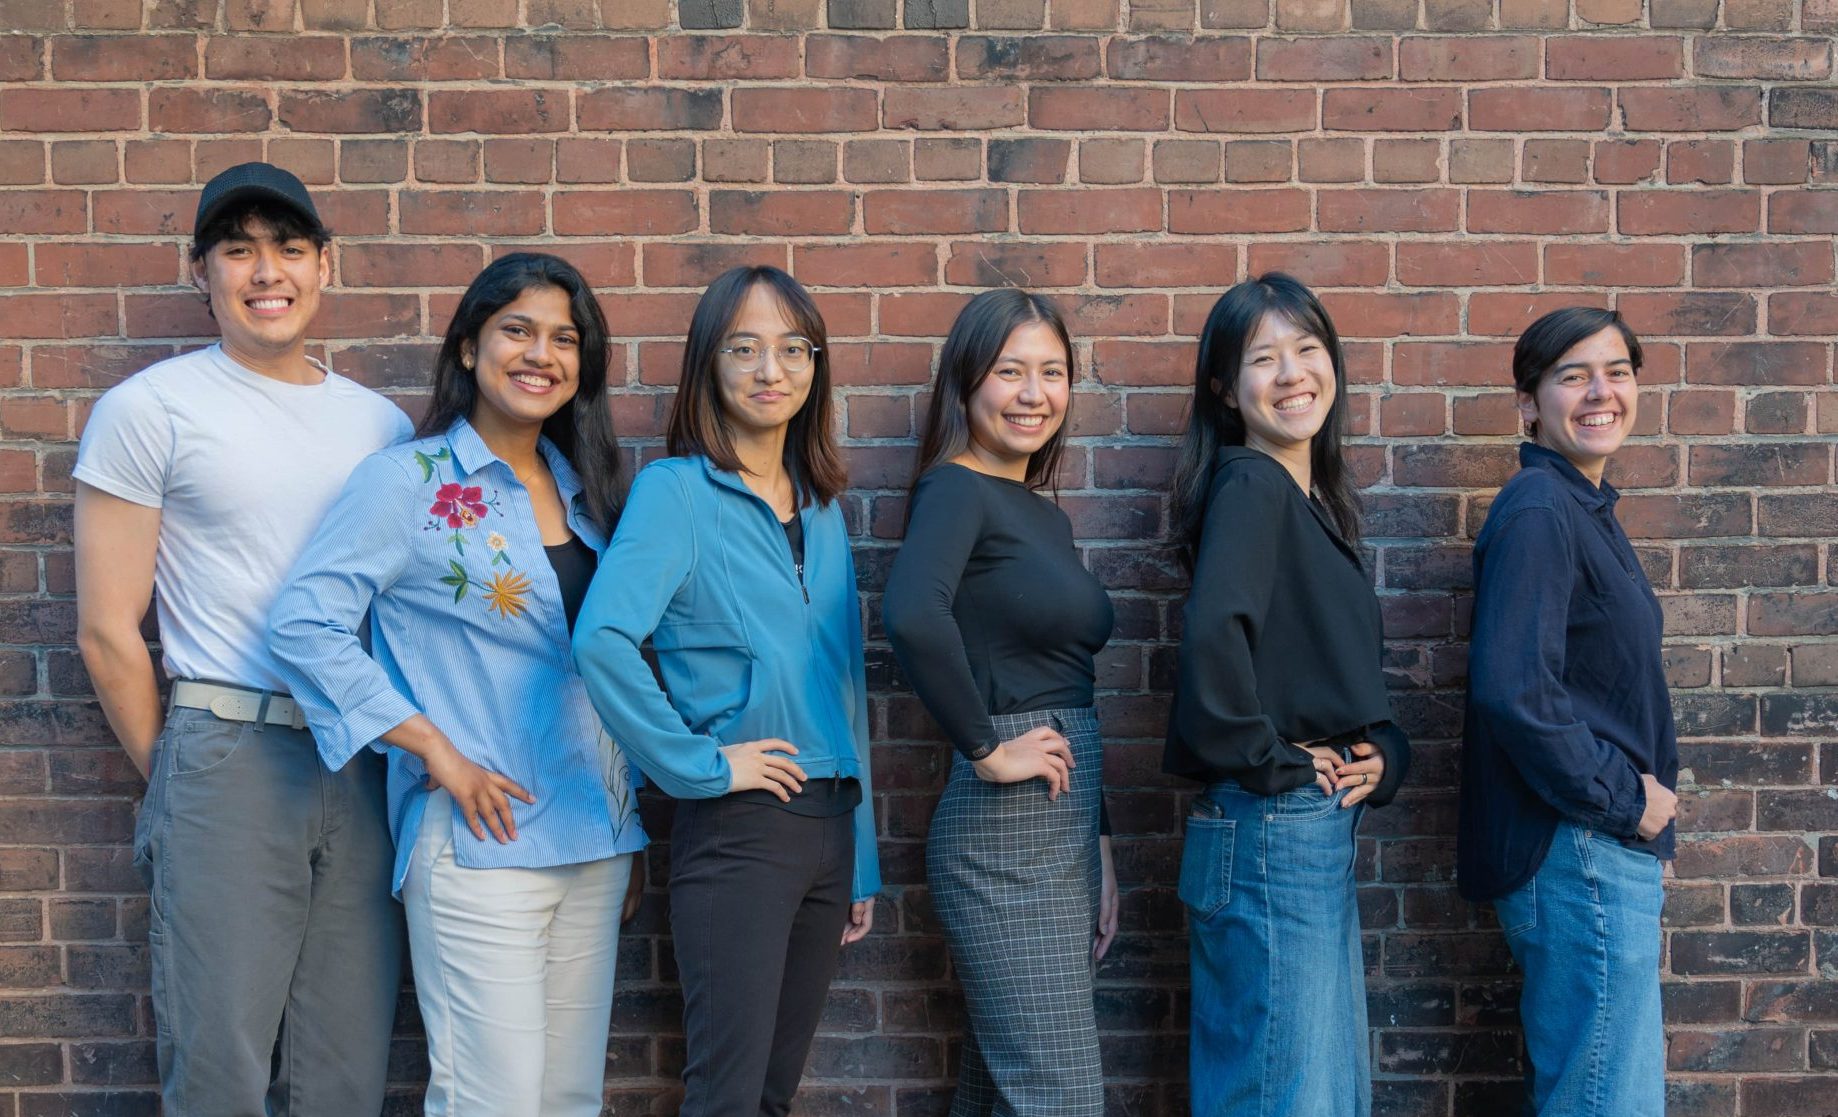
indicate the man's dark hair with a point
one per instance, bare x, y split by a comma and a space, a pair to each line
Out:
283, 221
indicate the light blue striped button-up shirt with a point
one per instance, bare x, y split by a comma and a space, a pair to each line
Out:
436, 539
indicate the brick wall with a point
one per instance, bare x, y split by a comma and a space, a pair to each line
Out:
1443, 170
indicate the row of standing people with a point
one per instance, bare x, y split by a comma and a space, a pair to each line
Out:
412, 665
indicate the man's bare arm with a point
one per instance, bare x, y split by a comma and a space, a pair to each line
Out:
115, 545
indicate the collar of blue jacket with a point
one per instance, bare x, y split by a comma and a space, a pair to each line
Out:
747, 647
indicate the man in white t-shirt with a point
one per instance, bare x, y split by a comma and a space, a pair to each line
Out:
276, 948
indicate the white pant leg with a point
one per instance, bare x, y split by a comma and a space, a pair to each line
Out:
479, 939
583, 955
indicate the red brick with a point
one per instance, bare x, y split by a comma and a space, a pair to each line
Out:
69, 110
392, 264
1212, 265
1706, 108
866, 264
1765, 58
1467, 264
1776, 162
1028, 58
1384, 315
265, 58
624, 212
1526, 211
42, 211
1509, 313
351, 110
726, 57
126, 57
906, 212
56, 316
1803, 211
1712, 162
1348, 263
1701, 412
1614, 265
470, 212
1619, 162
1366, 211
1662, 212
1538, 109
1113, 316
928, 314
780, 213
469, 58
1800, 314
1244, 110
1089, 211
648, 110
603, 263
517, 111
697, 265
1765, 363
1616, 58
1468, 58
1112, 109
865, 58
1029, 160
108, 265
1690, 313
1015, 264
955, 109
1210, 59
1344, 58
1774, 264
1238, 210
21, 58
1367, 109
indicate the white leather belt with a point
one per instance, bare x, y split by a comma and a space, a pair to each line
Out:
235, 703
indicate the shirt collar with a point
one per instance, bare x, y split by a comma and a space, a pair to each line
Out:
471, 454
1587, 493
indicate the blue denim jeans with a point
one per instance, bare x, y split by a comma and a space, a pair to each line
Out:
1279, 988
1585, 929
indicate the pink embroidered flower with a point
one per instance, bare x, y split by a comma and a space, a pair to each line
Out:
462, 507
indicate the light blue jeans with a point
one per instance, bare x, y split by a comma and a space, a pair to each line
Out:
1585, 929
1279, 988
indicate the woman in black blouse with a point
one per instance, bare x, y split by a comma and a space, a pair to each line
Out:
996, 622
1280, 710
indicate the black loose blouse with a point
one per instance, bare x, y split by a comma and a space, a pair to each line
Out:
1280, 640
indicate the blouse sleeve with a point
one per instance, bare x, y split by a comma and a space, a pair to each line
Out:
941, 534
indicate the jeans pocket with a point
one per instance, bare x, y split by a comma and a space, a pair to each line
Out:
1518, 910
1206, 865
202, 745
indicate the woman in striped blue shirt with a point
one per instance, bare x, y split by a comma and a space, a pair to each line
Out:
471, 547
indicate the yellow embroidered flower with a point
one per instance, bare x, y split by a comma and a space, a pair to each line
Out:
505, 593
496, 542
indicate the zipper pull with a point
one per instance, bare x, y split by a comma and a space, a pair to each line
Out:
804, 589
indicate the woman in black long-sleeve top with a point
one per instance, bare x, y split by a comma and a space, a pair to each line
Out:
1280, 710
996, 622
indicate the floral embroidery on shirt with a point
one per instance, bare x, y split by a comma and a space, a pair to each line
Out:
459, 508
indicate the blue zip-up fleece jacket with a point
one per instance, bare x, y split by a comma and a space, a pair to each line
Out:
701, 566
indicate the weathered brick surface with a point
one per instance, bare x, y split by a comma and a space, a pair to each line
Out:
1443, 171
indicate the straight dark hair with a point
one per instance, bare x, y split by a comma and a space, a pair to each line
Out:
698, 425
284, 222
583, 429
1545, 342
1212, 423
971, 349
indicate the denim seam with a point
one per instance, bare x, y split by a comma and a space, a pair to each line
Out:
1599, 1041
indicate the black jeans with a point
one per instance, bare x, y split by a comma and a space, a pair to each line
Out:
758, 900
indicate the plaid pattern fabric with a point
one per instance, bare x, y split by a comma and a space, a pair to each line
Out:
1015, 881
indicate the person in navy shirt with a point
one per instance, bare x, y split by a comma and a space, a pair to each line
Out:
471, 548
1569, 759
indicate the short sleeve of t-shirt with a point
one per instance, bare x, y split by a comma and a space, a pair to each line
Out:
127, 446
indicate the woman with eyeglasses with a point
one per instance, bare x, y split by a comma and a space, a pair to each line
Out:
732, 558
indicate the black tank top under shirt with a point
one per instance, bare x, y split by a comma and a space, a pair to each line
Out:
573, 563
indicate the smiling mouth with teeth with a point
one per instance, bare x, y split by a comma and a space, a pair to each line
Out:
1296, 403
1026, 420
532, 378
270, 304
1599, 420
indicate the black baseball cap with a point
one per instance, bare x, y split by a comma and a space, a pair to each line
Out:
248, 182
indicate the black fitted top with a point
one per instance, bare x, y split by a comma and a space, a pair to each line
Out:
574, 563
988, 607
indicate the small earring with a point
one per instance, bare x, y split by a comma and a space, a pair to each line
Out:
467, 362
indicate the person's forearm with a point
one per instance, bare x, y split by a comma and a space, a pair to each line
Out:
418, 737
121, 670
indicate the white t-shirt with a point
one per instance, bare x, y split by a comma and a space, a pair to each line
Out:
242, 468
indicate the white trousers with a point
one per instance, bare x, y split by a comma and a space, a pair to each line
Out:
514, 973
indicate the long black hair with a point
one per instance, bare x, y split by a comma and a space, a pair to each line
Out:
970, 352
583, 429
699, 426
1212, 422
1545, 342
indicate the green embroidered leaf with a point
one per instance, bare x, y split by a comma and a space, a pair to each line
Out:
458, 570
427, 466
498, 557
459, 594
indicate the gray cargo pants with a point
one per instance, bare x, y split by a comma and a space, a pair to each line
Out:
276, 947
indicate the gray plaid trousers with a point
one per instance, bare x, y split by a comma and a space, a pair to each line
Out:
1015, 881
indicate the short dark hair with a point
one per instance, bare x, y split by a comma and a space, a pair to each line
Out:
1212, 423
699, 426
583, 429
1545, 342
970, 352
284, 221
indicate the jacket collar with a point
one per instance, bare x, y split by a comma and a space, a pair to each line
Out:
471, 455
1534, 456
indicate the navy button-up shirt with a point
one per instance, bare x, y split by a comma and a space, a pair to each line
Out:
1567, 698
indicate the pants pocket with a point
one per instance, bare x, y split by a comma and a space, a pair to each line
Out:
1518, 910
1206, 865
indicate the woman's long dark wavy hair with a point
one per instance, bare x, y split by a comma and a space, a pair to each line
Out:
970, 353
583, 429
1212, 422
699, 426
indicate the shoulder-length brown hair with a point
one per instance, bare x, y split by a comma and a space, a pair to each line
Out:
970, 352
699, 426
